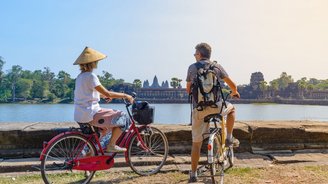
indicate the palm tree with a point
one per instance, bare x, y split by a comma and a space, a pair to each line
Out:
263, 87
175, 82
302, 86
2, 62
274, 87
137, 83
13, 76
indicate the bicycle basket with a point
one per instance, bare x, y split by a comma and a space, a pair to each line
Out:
143, 113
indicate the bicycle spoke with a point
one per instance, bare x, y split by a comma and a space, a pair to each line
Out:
57, 165
146, 162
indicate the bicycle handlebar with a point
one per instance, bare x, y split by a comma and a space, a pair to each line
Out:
127, 103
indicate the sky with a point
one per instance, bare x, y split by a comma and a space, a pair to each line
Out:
145, 38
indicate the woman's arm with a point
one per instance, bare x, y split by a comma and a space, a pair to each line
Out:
111, 95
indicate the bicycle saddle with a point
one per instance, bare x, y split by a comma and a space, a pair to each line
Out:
208, 118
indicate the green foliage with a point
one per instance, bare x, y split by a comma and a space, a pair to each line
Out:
38, 90
137, 83
175, 82
23, 88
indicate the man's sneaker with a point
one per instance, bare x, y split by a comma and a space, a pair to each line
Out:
114, 149
233, 141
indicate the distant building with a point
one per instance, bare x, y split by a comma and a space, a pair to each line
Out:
256, 78
165, 84
319, 94
146, 84
163, 95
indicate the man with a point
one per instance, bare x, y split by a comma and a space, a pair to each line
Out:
202, 55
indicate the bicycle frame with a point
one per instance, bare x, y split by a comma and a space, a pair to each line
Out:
222, 131
100, 161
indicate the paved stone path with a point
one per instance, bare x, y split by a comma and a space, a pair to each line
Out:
182, 162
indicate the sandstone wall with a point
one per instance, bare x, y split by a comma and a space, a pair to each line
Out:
25, 139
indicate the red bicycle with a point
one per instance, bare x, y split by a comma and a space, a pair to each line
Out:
75, 156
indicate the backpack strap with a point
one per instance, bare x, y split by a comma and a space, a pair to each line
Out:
199, 65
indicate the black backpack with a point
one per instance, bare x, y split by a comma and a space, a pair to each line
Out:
206, 86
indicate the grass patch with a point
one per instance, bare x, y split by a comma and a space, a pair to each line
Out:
240, 171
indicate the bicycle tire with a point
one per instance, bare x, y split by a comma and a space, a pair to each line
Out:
143, 162
215, 166
55, 165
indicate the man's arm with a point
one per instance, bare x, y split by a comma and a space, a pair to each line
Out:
232, 86
188, 87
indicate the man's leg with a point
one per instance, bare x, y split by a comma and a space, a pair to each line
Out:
230, 121
195, 154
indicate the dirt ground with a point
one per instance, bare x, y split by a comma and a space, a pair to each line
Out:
281, 174
277, 174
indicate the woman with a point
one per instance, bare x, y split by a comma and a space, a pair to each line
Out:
87, 94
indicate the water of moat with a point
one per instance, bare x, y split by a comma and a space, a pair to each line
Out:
164, 113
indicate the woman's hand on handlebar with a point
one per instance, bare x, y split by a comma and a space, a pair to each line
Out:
129, 98
107, 100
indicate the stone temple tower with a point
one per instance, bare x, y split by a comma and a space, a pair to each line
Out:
155, 83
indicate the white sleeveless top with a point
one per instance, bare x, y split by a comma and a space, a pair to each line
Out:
86, 97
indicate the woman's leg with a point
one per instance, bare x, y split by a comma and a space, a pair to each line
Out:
116, 121
116, 132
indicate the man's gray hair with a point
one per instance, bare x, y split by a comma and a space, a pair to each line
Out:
204, 49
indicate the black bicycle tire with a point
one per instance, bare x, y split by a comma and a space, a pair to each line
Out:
58, 139
215, 161
166, 147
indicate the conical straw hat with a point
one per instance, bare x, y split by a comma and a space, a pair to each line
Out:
89, 55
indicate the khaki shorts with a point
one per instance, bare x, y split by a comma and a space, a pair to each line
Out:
199, 127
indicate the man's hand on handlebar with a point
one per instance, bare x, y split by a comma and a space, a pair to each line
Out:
235, 94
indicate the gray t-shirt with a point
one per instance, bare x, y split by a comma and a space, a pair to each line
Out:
192, 73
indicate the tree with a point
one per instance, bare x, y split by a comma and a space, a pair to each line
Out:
4, 92
301, 87
47, 75
263, 87
137, 83
38, 89
175, 82
284, 80
13, 76
2, 62
274, 87
107, 79
64, 79
23, 88
256, 79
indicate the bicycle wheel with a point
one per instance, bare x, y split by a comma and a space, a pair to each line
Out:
217, 168
56, 166
145, 162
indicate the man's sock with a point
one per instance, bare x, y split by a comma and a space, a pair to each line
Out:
193, 174
229, 136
